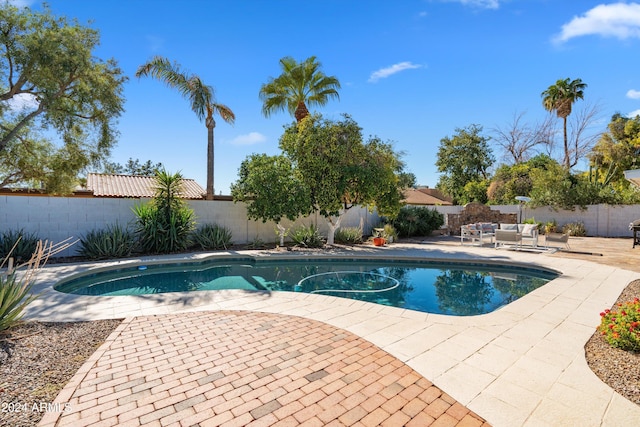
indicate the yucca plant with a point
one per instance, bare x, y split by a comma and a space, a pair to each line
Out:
114, 241
165, 224
16, 283
212, 237
20, 244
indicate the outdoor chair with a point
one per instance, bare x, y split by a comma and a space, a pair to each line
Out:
557, 238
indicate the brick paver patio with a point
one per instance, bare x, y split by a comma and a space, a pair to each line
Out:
241, 368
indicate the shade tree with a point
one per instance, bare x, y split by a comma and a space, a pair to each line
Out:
272, 190
341, 170
51, 80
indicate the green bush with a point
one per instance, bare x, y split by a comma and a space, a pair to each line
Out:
308, 237
114, 241
212, 237
23, 250
417, 221
575, 229
348, 235
390, 233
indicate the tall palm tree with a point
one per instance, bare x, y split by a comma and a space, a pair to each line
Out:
300, 85
559, 97
201, 97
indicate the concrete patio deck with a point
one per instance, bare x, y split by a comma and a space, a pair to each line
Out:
522, 365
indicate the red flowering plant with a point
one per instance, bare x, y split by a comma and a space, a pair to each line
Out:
621, 326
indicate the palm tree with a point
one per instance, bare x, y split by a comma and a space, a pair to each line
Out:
300, 85
559, 98
201, 97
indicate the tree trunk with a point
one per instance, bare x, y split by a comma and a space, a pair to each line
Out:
281, 233
301, 112
210, 125
333, 227
567, 160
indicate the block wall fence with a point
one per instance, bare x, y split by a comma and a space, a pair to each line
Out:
57, 218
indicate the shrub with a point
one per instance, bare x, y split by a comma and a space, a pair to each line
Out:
550, 226
575, 229
166, 223
417, 221
390, 233
25, 245
348, 235
621, 326
212, 237
308, 237
114, 241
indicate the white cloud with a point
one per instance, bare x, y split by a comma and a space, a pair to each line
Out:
22, 101
633, 114
383, 73
249, 139
633, 94
620, 20
484, 4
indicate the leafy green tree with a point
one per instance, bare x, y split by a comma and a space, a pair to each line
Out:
201, 97
560, 97
301, 85
341, 170
50, 78
271, 189
618, 149
133, 167
516, 180
466, 157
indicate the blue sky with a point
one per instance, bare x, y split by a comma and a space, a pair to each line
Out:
411, 71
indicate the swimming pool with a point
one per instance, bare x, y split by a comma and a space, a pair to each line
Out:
453, 288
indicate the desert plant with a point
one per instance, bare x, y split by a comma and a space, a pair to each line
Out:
417, 221
550, 226
308, 237
621, 326
256, 243
212, 237
19, 243
348, 235
16, 283
114, 241
575, 229
390, 233
165, 224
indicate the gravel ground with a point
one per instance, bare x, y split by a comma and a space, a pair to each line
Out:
37, 359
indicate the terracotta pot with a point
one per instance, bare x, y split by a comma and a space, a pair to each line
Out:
378, 241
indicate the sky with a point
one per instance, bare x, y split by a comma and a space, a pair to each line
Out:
411, 71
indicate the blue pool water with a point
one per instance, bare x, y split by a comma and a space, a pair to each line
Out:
434, 287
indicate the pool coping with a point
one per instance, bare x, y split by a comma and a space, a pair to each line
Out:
522, 364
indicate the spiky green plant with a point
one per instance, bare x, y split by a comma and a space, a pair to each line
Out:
308, 237
348, 235
16, 283
19, 243
212, 237
114, 241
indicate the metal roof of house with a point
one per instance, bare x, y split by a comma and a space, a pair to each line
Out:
107, 185
424, 196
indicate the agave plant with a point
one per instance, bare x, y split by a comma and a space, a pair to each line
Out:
19, 243
16, 283
114, 241
212, 237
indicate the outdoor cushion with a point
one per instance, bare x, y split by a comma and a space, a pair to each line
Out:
528, 229
512, 227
